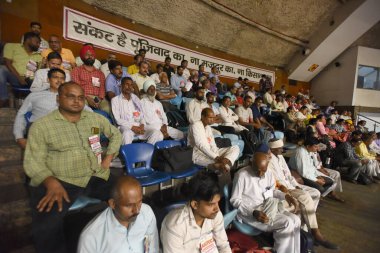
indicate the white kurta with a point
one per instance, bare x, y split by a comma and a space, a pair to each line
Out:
307, 196
127, 115
194, 109
155, 118
204, 148
229, 117
249, 193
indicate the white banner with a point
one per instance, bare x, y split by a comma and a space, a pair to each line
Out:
81, 27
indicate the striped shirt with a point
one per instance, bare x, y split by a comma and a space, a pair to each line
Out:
59, 148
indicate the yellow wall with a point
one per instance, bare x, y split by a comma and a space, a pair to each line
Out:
16, 16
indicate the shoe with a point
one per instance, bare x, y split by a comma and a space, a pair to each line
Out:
326, 244
336, 198
352, 181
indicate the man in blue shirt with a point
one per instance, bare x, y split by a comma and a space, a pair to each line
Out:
127, 225
113, 80
178, 81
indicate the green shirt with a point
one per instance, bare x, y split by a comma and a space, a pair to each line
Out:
59, 148
19, 57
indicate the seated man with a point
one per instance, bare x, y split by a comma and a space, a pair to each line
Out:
127, 225
259, 204
344, 156
303, 162
178, 81
140, 77
166, 94
64, 159
308, 197
113, 80
128, 113
68, 59
205, 152
79, 61
228, 116
195, 106
199, 224
245, 114
155, 116
41, 81
105, 68
373, 167
36, 27
134, 68
39, 103
91, 79
22, 60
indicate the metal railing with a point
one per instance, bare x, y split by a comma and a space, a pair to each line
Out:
374, 122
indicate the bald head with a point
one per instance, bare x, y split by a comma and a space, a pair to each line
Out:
69, 85
124, 187
260, 162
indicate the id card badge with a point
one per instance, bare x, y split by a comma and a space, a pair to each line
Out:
95, 81
66, 65
31, 66
94, 142
268, 194
207, 244
136, 116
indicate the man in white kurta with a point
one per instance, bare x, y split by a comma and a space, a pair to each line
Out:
195, 106
205, 151
154, 115
307, 196
259, 204
129, 116
228, 116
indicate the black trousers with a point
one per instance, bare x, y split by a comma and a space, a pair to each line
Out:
47, 227
321, 188
354, 168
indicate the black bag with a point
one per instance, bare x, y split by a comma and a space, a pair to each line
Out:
307, 244
251, 141
364, 179
175, 119
222, 142
173, 159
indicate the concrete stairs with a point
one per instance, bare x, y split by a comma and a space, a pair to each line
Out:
15, 212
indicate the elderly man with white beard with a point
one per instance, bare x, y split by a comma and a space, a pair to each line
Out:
154, 115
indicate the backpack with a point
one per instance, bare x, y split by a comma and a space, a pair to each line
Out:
307, 243
222, 142
364, 179
175, 119
173, 159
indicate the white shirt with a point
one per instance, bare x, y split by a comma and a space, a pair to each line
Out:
268, 99
245, 114
194, 109
250, 191
303, 162
300, 116
155, 77
237, 85
140, 79
181, 234
202, 140
229, 118
105, 234
125, 111
154, 114
277, 165
41, 81
104, 68
186, 73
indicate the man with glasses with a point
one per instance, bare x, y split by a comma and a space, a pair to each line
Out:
68, 59
64, 159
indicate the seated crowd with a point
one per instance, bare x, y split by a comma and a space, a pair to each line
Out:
64, 158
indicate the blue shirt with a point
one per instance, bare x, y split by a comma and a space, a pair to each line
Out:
177, 83
256, 112
105, 234
113, 84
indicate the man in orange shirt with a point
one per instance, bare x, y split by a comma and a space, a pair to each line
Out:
68, 59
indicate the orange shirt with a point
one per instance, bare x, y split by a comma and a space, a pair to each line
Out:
68, 58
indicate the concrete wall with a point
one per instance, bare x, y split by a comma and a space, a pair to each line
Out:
337, 83
367, 97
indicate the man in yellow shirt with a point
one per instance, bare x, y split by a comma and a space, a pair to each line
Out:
134, 68
68, 59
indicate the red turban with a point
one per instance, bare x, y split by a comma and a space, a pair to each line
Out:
85, 49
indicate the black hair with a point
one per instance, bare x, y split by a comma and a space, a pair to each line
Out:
124, 79
88, 44
240, 78
356, 132
258, 98
303, 107
209, 94
143, 62
367, 136
54, 55
320, 116
311, 141
136, 56
142, 49
159, 66
29, 35
168, 58
113, 64
203, 186
200, 66
54, 70
361, 121
225, 98
179, 67
313, 121
378, 135
183, 61
246, 79
247, 97
339, 121
33, 23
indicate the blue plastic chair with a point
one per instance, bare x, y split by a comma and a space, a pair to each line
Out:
83, 201
177, 174
229, 218
27, 117
243, 228
105, 114
142, 153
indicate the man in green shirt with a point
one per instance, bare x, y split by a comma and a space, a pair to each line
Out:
23, 60
64, 159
